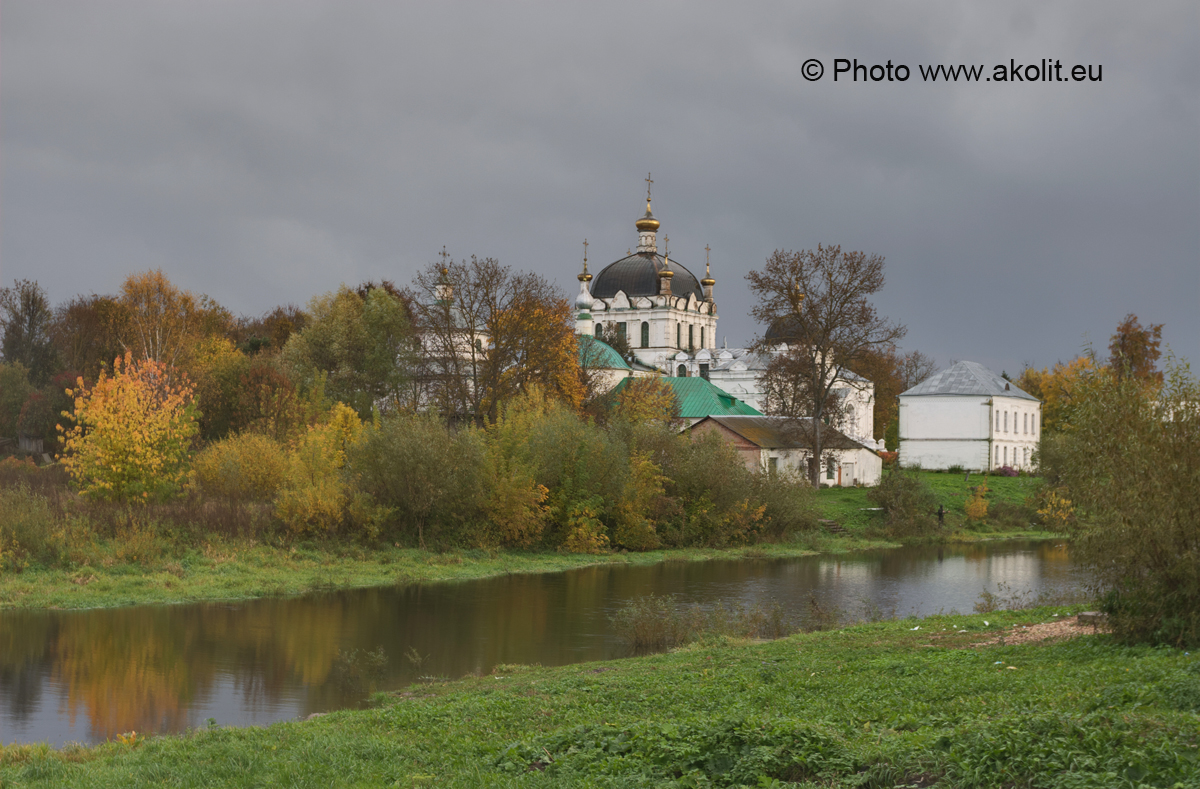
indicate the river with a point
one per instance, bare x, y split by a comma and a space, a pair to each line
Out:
85, 676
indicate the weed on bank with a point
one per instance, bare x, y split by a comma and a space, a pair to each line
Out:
945, 701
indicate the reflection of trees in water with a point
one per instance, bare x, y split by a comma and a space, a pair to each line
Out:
144, 668
23, 658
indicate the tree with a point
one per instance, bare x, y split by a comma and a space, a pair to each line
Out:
821, 323
362, 347
132, 432
487, 334
269, 331
87, 333
1134, 350
14, 391
1057, 387
1127, 462
532, 343
893, 373
161, 317
25, 321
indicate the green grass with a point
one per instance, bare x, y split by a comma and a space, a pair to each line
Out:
241, 569
146, 566
851, 509
876, 705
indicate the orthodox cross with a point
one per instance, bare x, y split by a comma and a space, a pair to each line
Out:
706, 251
649, 181
585, 246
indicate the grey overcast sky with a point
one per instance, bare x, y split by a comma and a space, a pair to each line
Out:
263, 152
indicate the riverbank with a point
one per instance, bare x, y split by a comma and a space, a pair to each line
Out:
960, 699
233, 569
166, 562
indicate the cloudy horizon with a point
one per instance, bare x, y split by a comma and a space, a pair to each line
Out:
264, 152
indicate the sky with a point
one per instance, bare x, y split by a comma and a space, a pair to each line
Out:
265, 152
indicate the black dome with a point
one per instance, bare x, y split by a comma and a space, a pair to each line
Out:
783, 329
637, 275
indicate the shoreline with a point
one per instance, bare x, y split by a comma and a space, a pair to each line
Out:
225, 570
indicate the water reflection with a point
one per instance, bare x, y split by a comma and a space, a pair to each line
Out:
86, 676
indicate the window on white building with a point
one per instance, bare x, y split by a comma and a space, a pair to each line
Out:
1005, 421
681, 372
645, 334
997, 421
830, 470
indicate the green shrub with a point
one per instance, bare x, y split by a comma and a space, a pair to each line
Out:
907, 500
1128, 464
428, 476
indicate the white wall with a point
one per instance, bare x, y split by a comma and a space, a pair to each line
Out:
944, 416
932, 454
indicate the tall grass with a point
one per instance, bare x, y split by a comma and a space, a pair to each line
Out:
654, 623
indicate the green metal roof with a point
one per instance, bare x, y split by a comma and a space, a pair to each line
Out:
599, 354
698, 398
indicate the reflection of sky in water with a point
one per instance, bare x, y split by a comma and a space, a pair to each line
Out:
85, 676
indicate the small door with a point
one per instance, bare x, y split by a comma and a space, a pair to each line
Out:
846, 475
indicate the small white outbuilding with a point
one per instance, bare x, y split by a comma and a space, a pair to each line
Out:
968, 416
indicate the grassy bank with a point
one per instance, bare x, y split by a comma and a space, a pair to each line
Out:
169, 563
951, 701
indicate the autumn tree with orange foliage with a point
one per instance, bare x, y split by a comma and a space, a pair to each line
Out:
1135, 349
533, 343
1057, 388
132, 432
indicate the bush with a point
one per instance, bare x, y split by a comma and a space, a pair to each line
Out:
908, 501
1128, 465
976, 507
27, 528
245, 467
315, 497
132, 433
428, 477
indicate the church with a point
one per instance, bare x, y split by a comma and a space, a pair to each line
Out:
668, 317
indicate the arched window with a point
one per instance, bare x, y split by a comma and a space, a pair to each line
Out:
678, 335
691, 337
600, 330
645, 334
681, 372
702, 345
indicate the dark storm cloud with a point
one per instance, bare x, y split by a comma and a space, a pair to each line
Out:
264, 152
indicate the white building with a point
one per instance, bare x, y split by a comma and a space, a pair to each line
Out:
970, 417
657, 305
